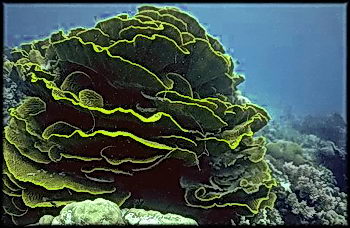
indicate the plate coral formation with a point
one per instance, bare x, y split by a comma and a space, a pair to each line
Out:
141, 107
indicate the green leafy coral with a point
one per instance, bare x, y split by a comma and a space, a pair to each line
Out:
132, 105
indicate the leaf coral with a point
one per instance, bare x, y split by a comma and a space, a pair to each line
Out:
135, 108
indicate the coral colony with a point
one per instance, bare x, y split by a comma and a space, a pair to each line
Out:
138, 107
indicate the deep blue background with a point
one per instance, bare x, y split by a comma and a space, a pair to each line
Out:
293, 55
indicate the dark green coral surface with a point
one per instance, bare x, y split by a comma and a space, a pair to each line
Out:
137, 108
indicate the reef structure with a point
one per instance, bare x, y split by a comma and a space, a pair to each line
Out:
136, 108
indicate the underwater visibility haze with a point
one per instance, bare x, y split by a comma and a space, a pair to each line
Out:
144, 110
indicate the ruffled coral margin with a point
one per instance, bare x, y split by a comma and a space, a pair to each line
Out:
137, 107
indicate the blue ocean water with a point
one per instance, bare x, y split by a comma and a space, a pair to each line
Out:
293, 55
